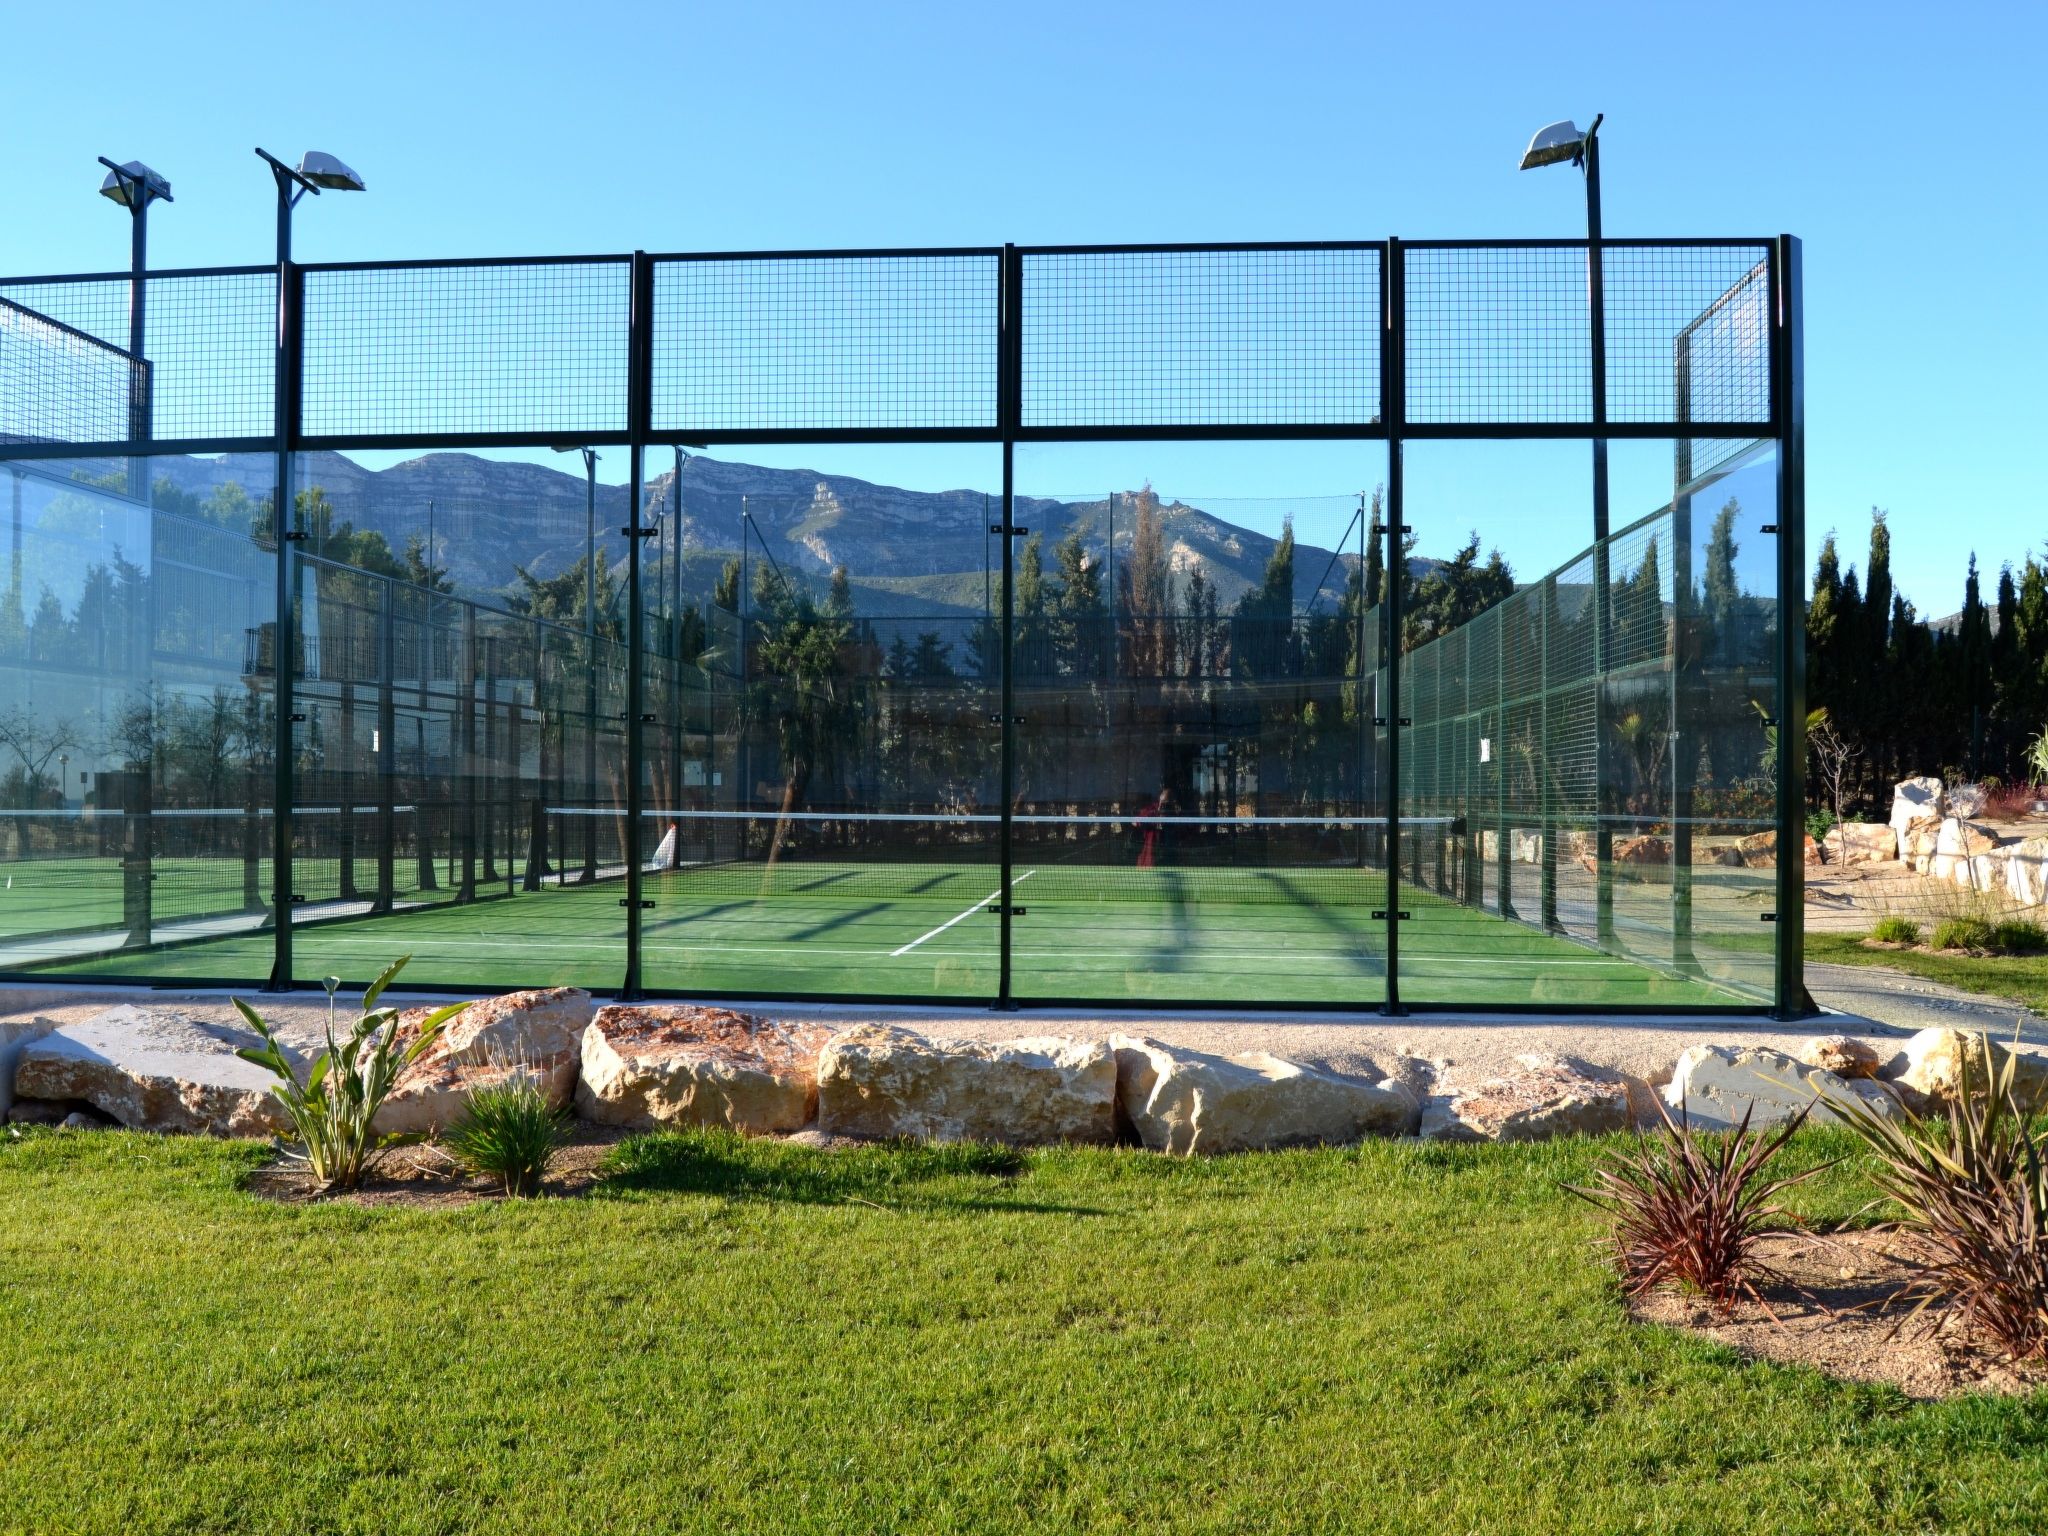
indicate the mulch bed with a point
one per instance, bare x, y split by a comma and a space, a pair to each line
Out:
425, 1176
1839, 1316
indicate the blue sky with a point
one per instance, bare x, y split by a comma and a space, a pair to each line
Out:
520, 129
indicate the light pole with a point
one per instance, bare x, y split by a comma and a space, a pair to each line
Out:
1555, 145
589, 652
317, 171
135, 186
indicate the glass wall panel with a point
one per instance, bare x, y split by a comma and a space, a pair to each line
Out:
136, 719
1198, 768
460, 719
1559, 724
823, 670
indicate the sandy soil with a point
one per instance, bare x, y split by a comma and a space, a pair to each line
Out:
1841, 1316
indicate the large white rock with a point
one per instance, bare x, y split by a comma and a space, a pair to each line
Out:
680, 1065
877, 1081
1187, 1101
1938, 1064
1525, 845
154, 1069
2026, 871
1862, 842
1915, 800
535, 1033
1963, 855
15, 1036
1539, 1098
1716, 1084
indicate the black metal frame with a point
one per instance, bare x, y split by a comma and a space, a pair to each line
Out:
1785, 428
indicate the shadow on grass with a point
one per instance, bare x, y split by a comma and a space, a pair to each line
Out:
891, 1175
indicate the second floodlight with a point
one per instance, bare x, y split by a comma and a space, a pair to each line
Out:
325, 170
1554, 143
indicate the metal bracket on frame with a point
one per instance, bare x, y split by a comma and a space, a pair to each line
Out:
1381, 917
1014, 530
647, 905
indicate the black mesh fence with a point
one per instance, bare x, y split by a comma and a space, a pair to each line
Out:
60, 385
1182, 338
826, 343
1497, 334
505, 348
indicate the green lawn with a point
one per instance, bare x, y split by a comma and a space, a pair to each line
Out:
2021, 979
733, 1337
1263, 937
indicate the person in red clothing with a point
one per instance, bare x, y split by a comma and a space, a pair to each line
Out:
1149, 828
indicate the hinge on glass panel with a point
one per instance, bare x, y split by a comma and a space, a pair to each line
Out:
1015, 530
1767, 917
648, 905
297, 897
1381, 917
298, 719
650, 720
1769, 528
995, 909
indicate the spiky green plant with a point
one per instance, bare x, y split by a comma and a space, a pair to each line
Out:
1691, 1208
333, 1109
508, 1131
1971, 1183
1896, 930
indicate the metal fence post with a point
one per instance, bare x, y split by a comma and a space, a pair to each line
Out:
1393, 411
1788, 405
639, 414
285, 652
1009, 411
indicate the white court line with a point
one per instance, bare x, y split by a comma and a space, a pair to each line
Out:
979, 906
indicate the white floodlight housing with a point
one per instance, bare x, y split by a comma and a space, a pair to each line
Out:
154, 187
325, 170
1558, 141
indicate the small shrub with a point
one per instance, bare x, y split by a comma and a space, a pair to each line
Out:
332, 1112
508, 1131
1690, 1208
1896, 930
1819, 824
2018, 936
1962, 933
1973, 1186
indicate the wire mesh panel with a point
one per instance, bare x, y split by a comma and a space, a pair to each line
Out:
826, 343
506, 348
1497, 335
59, 385
211, 342
1202, 338
209, 339
1688, 333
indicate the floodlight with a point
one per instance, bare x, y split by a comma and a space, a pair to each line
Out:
325, 170
122, 179
1554, 143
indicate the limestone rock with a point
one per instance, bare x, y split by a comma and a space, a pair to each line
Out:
1843, 1055
2026, 871
1187, 1101
1914, 801
1964, 839
155, 1069
676, 1065
1759, 850
1862, 842
1716, 1084
534, 1033
1525, 845
15, 1034
1938, 1063
1642, 850
1540, 1098
876, 1081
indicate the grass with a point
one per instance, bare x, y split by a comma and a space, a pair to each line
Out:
1263, 936
2021, 979
759, 1337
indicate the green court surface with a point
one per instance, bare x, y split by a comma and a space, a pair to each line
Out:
1254, 937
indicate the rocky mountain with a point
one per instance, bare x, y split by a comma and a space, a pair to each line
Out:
906, 552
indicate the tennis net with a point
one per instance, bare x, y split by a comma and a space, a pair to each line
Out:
955, 858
